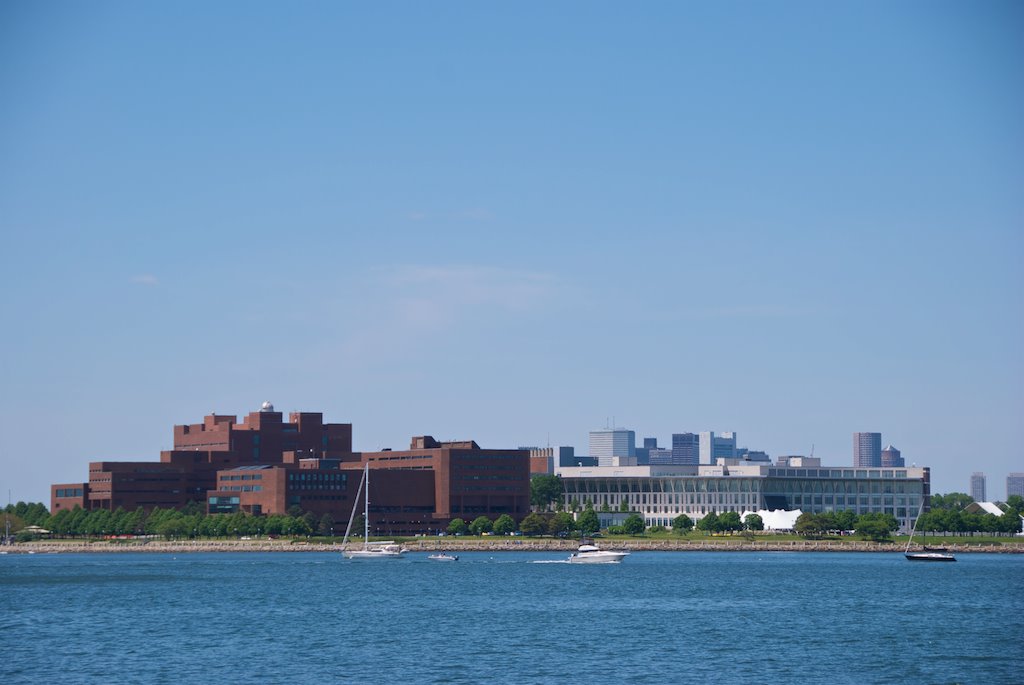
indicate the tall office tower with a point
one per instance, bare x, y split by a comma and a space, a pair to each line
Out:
612, 442
978, 487
1015, 484
715, 445
685, 448
867, 450
643, 454
891, 457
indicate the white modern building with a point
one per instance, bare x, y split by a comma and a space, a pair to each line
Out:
612, 442
715, 446
660, 493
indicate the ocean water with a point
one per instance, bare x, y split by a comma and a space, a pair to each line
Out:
659, 617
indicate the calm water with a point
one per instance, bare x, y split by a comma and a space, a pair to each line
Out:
657, 618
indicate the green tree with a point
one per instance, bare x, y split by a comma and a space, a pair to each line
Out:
544, 490
730, 521
708, 523
1015, 503
588, 523
58, 523
952, 500
753, 522
634, 525
326, 525
457, 527
533, 525
561, 524
845, 520
624, 505
876, 526
297, 527
309, 517
481, 525
172, 527
682, 524
275, 524
826, 521
504, 525
1010, 522
809, 526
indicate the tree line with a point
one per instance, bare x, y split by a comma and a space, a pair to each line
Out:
188, 522
947, 515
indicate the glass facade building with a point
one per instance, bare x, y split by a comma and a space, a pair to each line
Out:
660, 494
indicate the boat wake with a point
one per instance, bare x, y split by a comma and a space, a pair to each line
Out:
550, 561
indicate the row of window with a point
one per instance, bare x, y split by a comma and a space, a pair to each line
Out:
836, 473
317, 476
70, 492
247, 476
243, 488
850, 487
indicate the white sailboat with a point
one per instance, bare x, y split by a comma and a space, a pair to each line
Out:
928, 554
369, 550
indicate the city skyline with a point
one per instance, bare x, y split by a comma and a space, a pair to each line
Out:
507, 223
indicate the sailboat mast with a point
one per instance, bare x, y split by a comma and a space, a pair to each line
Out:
914, 529
366, 507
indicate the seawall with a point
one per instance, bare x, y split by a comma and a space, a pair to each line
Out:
451, 544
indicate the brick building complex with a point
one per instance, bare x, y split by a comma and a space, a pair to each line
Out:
264, 465
418, 490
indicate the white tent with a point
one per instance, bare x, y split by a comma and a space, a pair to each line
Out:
776, 519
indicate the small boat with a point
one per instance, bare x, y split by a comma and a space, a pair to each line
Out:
370, 550
929, 556
929, 553
443, 556
592, 554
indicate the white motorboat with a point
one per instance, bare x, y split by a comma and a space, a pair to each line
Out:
443, 556
592, 554
370, 550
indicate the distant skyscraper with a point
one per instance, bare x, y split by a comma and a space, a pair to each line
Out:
643, 454
713, 446
1015, 484
612, 442
753, 455
660, 456
867, 450
978, 486
891, 457
685, 448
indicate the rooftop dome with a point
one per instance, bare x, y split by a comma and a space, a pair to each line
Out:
267, 406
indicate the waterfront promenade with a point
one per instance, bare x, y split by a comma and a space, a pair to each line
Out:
450, 544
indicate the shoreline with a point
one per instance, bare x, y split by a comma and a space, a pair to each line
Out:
456, 546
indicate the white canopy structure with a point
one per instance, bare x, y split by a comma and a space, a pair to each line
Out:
776, 519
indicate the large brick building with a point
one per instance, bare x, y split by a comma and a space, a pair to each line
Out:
266, 466
188, 471
418, 490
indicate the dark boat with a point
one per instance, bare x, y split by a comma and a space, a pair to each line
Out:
929, 553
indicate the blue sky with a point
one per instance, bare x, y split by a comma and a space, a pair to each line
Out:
511, 223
